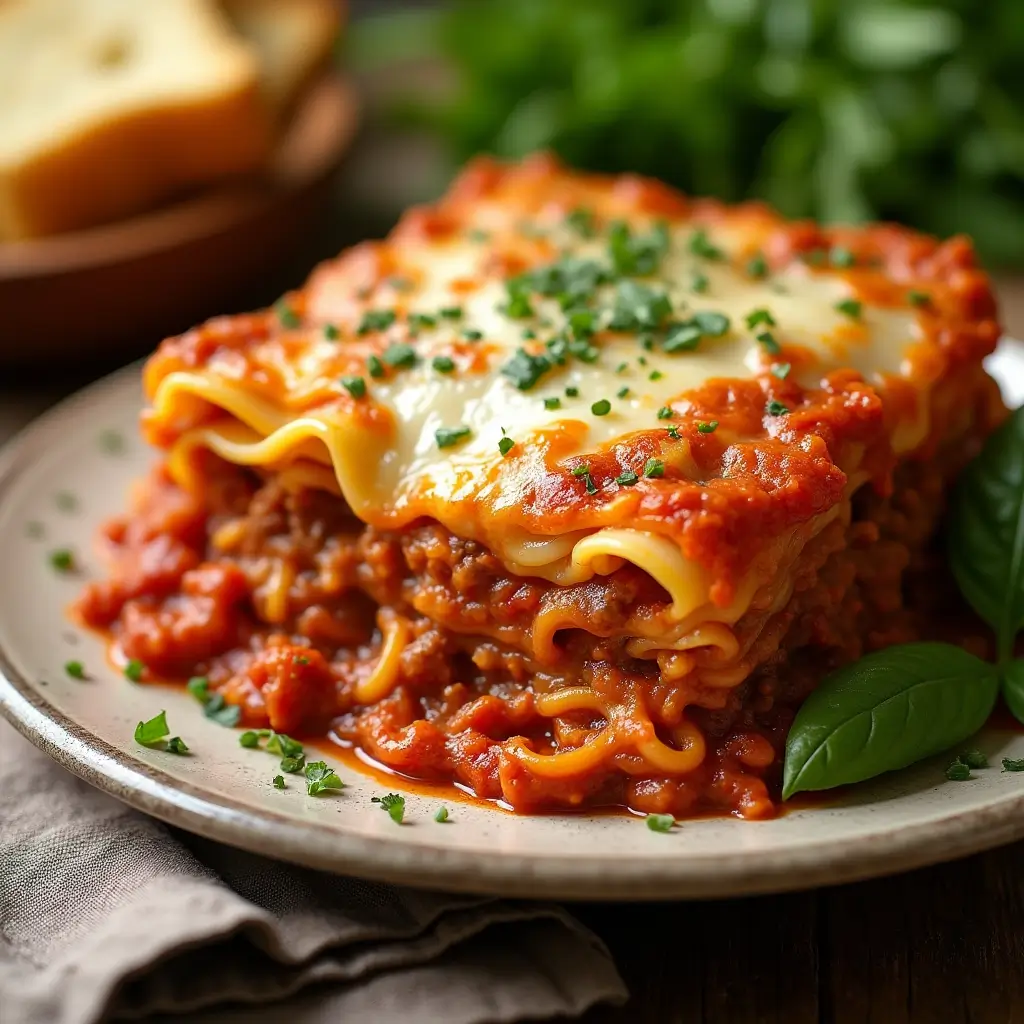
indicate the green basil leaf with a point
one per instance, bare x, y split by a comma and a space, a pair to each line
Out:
1013, 688
888, 710
986, 535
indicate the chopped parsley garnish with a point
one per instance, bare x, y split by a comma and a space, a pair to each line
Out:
570, 280
666, 412
286, 316
278, 782
218, 710
553, 403
707, 426
623, 392
199, 687
683, 337
472, 334
176, 745
524, 369
505, 445
588, 481
581, 220
571, 392
673, 432
293, 765
393, 803
249, 739
958, 771
518, 306
450, 312
319, 778
655, 375
850, 307
63, 560
757, 266
331, 332
529, 334
768, 341
443, 364
355, 386
448, 437
627, 478
442, 815
636, 254
134, 670
700, 245
654, 468
638, 307
421, 321
781, 370
916, 298
152, 732
581, 322
376, 320
65, 501
399, 355
75, 669
660, 822
974, 759
375, 367
712, 325
582, 350
111, 442
1012, 765
699, 282
759, 316
776, 408
279, 743
601, 407
840, 256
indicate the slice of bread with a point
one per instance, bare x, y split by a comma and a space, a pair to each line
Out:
110, 106
294, 40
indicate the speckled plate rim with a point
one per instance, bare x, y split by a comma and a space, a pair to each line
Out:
311, 843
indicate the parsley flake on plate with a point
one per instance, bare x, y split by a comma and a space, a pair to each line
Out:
278, 782
974, 759
320, 778
601, 407
916, 298
393, 803
63, 560
442, 815
331, 332
666, 412
153, 733
781, 370
524, 369
654, 468
660, 822
553, 403
1012, 765
958, 771
707, 427
627, 478
776, 408
757, 266
75, 669
176, 745
443, 364
375, 367
700, 245
850, 307
134, 669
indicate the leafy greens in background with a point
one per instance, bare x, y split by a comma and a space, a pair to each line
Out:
905, 703
842, 110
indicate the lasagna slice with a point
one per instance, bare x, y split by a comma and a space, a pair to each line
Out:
569, 491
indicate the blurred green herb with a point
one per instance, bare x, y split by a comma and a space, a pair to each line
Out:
843, 110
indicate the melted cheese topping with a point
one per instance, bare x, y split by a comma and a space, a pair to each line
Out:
275, 397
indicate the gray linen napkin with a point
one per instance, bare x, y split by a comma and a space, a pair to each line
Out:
108, 914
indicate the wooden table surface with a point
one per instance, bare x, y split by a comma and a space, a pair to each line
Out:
942, 944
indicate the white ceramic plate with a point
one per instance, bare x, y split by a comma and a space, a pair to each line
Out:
222, 791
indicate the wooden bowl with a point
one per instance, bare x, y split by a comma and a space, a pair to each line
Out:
118, 289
